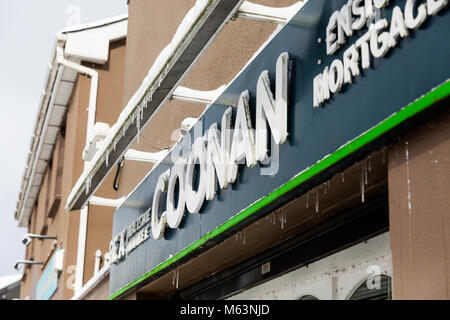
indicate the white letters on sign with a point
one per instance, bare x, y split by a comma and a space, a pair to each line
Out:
273, 111
219, 144
376, 42
214, 158
159, 222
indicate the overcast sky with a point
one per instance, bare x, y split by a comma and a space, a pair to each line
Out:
27, 33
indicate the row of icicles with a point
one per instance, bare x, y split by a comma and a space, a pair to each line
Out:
137, 116
363, 167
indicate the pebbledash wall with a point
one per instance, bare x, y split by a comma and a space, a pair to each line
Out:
358, 77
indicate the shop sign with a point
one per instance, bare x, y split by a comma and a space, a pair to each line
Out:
48, 283
380, 36
217, 154
336, 78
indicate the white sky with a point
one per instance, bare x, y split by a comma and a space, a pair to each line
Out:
27, 30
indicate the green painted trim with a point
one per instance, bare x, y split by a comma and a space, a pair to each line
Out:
391, 122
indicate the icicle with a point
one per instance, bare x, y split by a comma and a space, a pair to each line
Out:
152, 91
326, 187
408, 177
316, 202
307, 200
362, 192
140, 117
88, 184
243, 236
406, 151
138, 124
362, 184
283, 219
177, 278
173, 278
365, 173
107, 158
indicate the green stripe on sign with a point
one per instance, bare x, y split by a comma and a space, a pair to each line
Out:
401, 116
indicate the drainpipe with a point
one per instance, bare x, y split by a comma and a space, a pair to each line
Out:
82, 231
93, 91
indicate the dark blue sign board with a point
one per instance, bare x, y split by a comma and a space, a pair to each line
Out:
417, 65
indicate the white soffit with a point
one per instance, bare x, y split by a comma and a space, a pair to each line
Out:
64, 93
69, 74
57, 115
46, 151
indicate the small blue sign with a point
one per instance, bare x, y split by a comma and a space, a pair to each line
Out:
48, 283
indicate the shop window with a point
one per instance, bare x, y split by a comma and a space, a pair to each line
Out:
377, 291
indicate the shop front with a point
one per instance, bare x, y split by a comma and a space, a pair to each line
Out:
285, 187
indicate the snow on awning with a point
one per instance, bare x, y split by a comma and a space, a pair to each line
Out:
193, 36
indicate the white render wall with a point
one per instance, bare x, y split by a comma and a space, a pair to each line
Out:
335, 277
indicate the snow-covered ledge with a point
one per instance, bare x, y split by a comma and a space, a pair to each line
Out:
197, 96
193, 36
253, 11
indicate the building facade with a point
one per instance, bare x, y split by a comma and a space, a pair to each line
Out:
242, 150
